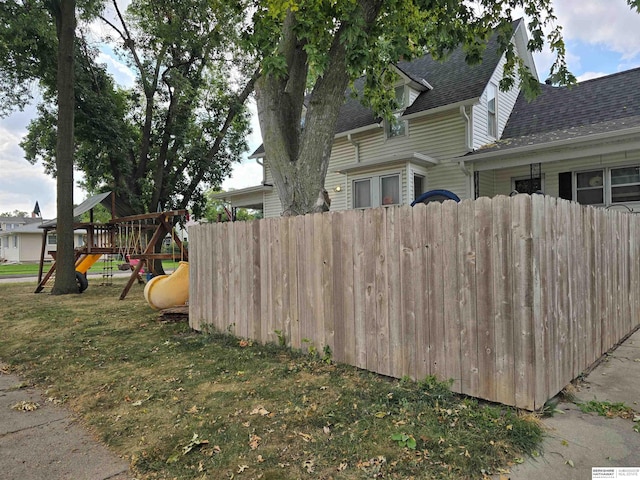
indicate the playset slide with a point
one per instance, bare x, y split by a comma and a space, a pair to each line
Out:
166, 291
84, 263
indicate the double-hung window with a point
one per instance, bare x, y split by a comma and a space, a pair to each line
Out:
376, 190
492, 115
607, 186
625, 184
399, 127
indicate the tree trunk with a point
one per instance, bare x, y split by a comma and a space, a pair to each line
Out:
65, 282
299, 156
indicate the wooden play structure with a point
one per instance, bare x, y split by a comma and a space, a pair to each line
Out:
132, 238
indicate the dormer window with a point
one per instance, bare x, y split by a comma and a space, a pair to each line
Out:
401, 98
399, 127
492, 117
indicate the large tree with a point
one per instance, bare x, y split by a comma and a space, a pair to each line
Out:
181, 126
37, 43
64, 13
313, 50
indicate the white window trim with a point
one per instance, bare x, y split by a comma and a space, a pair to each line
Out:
387, 129
376, 188
494, 87
606, 183
398, 114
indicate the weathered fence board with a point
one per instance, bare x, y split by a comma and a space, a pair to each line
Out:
511, 298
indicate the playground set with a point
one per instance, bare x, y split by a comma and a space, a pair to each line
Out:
132, 239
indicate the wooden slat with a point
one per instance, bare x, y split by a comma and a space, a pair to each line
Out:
451, 304
523, 302
359, 287
420, 291
467, 288
483, 220
327, 286
394, 288
347, 253
503, 300
408, 299
434, 255
540, 322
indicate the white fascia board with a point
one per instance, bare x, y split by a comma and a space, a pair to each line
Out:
242, 191
366, 128
452, 106
569, 149
397, 159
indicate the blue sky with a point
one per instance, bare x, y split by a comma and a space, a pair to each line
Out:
602, 37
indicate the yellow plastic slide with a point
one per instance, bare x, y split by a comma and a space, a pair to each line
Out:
84, 263
166, 291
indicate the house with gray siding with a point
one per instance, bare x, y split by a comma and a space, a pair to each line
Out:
457, 131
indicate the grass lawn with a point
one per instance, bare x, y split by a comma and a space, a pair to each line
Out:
180, 404
32, 268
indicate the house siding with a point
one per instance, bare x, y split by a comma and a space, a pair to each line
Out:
505, 102
487, 184
272, 205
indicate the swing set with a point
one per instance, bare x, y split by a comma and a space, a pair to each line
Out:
134, 239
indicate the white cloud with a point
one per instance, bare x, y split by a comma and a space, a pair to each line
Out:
245, 174
607, 23
122, 74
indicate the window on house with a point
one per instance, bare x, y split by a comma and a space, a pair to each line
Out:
492, 117
52, 239
376, 191
527, 185
401, 101
390, 188
397, 128
590, 187
15, 241
418, 185
625, 184
362, 193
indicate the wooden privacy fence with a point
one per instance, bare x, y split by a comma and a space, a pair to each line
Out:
511, 298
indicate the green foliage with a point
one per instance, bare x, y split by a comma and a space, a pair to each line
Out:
162, 141
404, 440
607, 409
216, 210
15, 213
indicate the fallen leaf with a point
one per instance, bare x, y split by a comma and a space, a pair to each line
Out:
260, 410
254, 441
25, 406
242, 468
342, 467
570, 463
326, 430
308, 465
193, 410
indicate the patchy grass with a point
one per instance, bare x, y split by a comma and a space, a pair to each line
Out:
607, 409
179, 404
32, 268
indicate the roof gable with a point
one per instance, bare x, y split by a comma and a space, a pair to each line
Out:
600, 105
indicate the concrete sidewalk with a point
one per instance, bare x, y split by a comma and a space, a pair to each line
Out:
575, 441
47, 443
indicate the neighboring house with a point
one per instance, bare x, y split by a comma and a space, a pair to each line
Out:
24, 243
457, 131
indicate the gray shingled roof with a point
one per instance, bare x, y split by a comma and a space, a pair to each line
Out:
453, 81
600, 105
